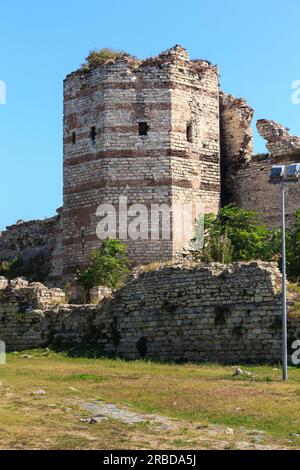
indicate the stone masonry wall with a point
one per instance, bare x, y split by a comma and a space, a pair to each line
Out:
215, 313
280, 142
22, 318
168, 93
196, 156
195, 161
32, 239
245, 177
236, 141
253, 190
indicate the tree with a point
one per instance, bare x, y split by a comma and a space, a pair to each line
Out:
240, 236
108, 266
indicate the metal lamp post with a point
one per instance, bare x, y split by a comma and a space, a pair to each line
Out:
280, 176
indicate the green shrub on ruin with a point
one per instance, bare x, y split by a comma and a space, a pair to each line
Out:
34, 269
238, 235
100, 56
217, 248
108, 266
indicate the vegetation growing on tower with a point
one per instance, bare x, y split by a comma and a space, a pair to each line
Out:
100, 56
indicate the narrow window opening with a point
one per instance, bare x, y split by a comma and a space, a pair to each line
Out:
189, 132
73, 138
143, 128
82, 240
93, 134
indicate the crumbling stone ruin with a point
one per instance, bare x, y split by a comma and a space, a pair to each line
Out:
156, 131
147, 130
280, 142
246, 179
215, 313
38, 242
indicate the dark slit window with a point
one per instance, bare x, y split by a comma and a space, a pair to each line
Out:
82, 239
73, 138
143, 128
93, 134
189, 133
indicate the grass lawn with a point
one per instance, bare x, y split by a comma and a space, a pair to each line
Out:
206, 405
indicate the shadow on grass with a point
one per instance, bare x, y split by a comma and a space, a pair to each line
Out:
95, 352
259, 375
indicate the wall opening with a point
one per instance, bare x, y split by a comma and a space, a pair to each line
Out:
93, 134
189, 132
73, 138
82, 240
143, 128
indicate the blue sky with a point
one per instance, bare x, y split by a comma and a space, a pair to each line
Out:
255, 44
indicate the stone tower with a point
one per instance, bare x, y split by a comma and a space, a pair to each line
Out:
144, 130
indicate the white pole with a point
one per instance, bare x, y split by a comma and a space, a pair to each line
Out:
284, 316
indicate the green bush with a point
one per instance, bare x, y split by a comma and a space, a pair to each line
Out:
34, 269
240, 236
217, 248
108, 266
237, 234
99, 56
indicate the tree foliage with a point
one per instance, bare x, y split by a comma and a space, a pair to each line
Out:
35, 268
218, 248
108, 266
241, 234
237, 234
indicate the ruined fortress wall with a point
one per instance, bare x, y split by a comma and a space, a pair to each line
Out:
154, 169
197, 154
252, 190
245, 177
236, 142
22, 318
214, 313
33, 239
114, 98
195, 159
279, 141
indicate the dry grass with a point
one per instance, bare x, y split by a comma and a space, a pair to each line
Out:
203, 399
